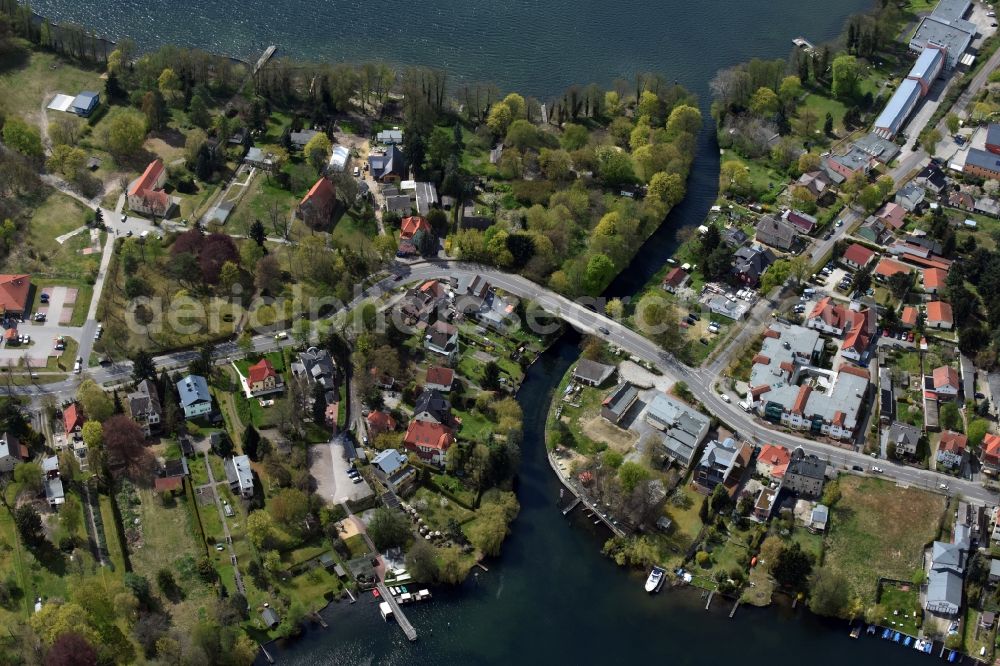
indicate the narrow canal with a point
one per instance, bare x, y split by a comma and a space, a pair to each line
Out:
551, 597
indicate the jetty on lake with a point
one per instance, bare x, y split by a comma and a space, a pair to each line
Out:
390, 606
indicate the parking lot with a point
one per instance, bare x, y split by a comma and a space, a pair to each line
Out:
329, 467
59, 309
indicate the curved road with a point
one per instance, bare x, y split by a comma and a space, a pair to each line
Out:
700, 380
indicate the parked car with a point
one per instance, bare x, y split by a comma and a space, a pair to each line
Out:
725, 397
877, 470
281, 335
857, 468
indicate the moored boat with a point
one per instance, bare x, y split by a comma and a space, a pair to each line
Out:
655, 580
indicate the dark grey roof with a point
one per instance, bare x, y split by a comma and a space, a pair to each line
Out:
983, 159
809, 466
993, 135
392, 162
775, 232
592, 371
621, 399
435, 404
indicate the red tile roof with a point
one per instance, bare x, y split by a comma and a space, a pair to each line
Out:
991, 447
169, 483
934, 278
909, 316
439, 375
939, 311
320, 195
72, 417
801, 399
14, 292
892, 214
854, 370
888, 267
428, 435
858, 254
772, 454
771, 333
380, 422
147, 181
675, 277
945, 376
760, 359
955, 442
260, 371
411, 225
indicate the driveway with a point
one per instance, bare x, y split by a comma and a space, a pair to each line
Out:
329, 467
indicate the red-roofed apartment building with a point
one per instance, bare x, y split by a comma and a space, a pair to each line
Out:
316, 207
262, 378
146, 194
990, 455
857, 256
14, 290
836, 319
772, 461
939, 315
428, 440
952, 449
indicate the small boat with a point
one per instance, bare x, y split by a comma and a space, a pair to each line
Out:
655, 580
375, 593
928, 646
871, 629
856, 631
918, 644
896, 636
907, 641
403, 589
887, 633
953, 656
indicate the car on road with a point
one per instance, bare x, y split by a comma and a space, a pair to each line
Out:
725, 397
877, 470
78, 366
828, 236
44, 298
840, 223
980, 396
39, 316
857, 468
942, 486
281, 335
604, 330
219, 547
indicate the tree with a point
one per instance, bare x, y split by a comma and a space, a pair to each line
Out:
666, 187
388, 528
317, 151
29, 476
251, 442
154, 107
790, 90
574, 136
490, 529
126, 133
953, 123
863, 280
631, 474
828, 124
900, 284
168, 586
23, 138
29, 524
71, 649
257, 233
516, 104
614, 166
123, 439
95, 402
929, 139
260, 529
976, 431
600, 270
846, 77
830, 593
499, 119
421, 562
67, 160
950, 417
792, 567
491, 376
734, 176
684, 119
198, 112
809, 162
289, 508
143, 366
764, 102
267, 276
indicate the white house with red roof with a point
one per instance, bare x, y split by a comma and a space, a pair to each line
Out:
429, 440
440, 378
14, 290
939, 315
146, 194
943, 383
892, 214
990, 453
857, 256
772, 461
934, 280
262, 379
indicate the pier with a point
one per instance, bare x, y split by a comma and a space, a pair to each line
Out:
262, 60
735, 606
572, 505
386, 596
709, 602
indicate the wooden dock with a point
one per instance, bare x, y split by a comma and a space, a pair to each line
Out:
386, 596
262, 60
709, 602
735, 606
572, 505
267, 655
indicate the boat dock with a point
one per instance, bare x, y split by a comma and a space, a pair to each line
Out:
268, 52
735, 606
709, 602
803, 43
572, 505
390, 601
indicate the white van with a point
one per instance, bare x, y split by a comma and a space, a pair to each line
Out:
745, 406
144, 235
808, 291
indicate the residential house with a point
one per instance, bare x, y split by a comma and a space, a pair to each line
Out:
993, 138
316, 207
772, 461
893, 215
987, 206
873, 230
803, 222
432, 407
961, 199
763, 507
54, 491
721, 463
390, 136
751, 262
12, 452
146, 194
994, 576
195, 398
258, 159
401, 204
301, 138
393, 469
953, 448
315, 366
887, 267
270, 618
618, 402
989, 454
859, 335
442, 338
423, 303
84, 104
857, 256
389, 166
413, 224
934, 280
945, 579
592, 373
263, 379
905, 437
735, 237
380, 422
817, 182
424, 194
339, 157
143, 406
684, 428
676, 278
842, 167
240, 475
805, 474
931, 178
775, 232
908, 317
440, 378
943, 383
982, 164
73, 419
850, 321
939, 315
429, 440
818, 519
910, 197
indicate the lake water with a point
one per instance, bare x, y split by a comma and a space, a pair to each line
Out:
551, 598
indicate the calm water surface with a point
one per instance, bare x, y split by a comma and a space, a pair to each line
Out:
551, 598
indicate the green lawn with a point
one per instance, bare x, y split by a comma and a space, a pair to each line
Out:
899, 605
762, 178
437, 510
878, 529
49, 262
823, 105
28, 76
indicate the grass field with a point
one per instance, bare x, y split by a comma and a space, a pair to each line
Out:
437, 510
878, 529
28, 76
38, 253
899, 605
